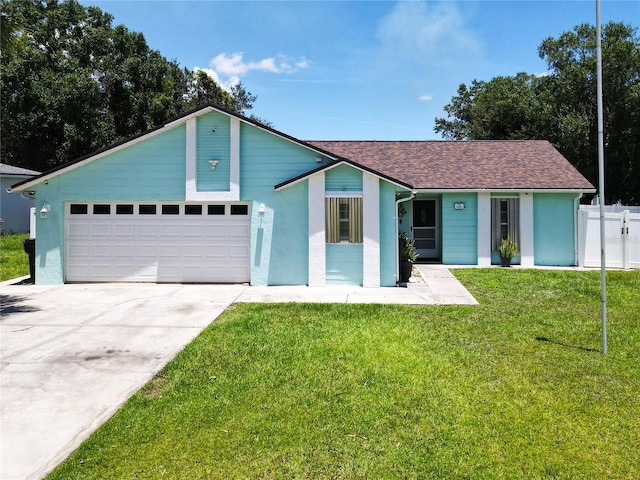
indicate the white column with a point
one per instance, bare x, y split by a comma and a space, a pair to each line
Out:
317, 240
526, 229
191, 149
371, 230
484, 229
234, 173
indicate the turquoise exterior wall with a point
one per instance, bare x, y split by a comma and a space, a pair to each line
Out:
459, 229
387, 234
553, 229
344, 264
280, 238
343, 179
213, 146
152, 169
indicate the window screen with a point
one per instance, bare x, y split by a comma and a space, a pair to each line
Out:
343, 220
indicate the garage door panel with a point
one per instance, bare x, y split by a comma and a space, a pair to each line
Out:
147, 230
100, 250
172, 230
146, 250
78, 230
124, 251
157, 248
124, 230
100, 230
190, 230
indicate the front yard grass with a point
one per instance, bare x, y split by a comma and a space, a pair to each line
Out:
513, 388
13, 261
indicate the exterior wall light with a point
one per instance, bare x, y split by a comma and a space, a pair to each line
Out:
261, 210
44, 211
458, 206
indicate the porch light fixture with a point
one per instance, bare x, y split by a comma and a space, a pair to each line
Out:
261, 210
214, 164
458, 206
44, 211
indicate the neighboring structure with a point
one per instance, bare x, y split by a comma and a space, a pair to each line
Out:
14, 209
215, 197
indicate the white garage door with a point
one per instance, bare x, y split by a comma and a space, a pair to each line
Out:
157, 242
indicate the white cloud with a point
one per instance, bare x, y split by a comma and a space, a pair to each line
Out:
431, 34
230, 67
227, 83
425, 98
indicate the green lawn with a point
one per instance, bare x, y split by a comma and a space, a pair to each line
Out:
13, 261
513, 388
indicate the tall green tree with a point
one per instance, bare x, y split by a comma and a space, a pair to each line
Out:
78, 84
561, 107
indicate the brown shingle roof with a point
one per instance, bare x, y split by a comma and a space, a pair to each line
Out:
496, 164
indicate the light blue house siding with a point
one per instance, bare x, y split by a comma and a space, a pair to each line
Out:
280, 237
459, 229
553, 227
343, 179
344, 264
213, 134
151, 169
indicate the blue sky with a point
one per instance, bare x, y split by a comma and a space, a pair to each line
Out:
369, 70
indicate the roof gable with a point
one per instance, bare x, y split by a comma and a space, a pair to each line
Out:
335, 164
171, 123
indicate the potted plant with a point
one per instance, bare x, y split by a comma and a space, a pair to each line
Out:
507, 250
408, 256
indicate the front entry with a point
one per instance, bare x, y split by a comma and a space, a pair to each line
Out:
426, 228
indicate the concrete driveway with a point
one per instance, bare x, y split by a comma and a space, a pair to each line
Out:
71, 355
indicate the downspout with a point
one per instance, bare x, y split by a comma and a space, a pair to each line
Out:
398, 202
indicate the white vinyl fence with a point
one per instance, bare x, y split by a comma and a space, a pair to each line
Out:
622, 236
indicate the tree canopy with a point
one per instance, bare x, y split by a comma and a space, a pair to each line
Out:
72, 83
561, 107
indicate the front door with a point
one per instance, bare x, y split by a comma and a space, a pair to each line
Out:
425, 228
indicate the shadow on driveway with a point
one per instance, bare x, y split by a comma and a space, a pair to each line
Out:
14, 304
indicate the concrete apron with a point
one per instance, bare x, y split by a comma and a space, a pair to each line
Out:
71, 355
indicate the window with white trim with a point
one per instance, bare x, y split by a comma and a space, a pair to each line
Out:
505, 220
343, 220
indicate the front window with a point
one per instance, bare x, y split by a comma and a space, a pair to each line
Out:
343, 220
505, 220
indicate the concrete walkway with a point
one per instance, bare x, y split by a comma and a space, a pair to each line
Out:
438, 284
71, 355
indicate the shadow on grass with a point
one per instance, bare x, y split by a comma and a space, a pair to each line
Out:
13, 304
555, 342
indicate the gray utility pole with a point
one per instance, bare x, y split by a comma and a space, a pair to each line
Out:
603, 268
